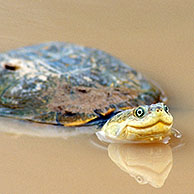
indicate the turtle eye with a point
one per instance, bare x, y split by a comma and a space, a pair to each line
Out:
166, 109
139, 112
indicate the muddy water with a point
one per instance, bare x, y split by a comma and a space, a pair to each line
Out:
156, 38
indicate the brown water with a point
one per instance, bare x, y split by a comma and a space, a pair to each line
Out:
156, 38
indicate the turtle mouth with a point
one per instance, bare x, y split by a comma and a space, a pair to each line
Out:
153, 131
159, 122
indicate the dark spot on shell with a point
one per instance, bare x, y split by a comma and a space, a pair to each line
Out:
68, 113
11, 67
82, 90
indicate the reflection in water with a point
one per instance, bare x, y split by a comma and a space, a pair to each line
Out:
147, 163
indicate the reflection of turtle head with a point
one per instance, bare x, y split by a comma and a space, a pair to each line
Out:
147, 163
144, 123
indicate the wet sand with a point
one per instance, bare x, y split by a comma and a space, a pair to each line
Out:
154, 37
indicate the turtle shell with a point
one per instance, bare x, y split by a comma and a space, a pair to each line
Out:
65, 83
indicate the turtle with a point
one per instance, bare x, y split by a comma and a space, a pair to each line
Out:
62, 83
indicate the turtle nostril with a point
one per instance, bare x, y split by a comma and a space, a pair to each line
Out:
158, 109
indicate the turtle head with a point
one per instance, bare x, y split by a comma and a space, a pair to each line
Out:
147, 123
